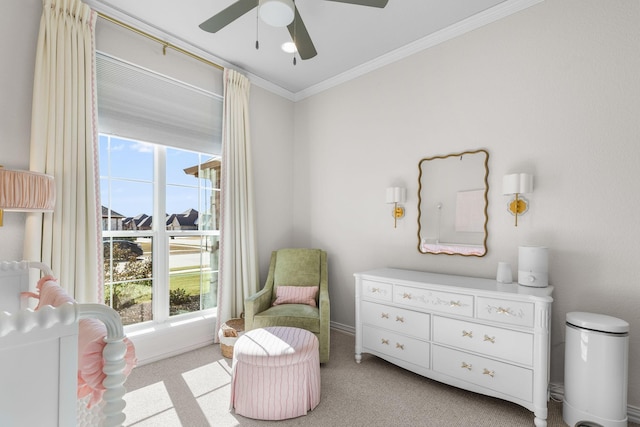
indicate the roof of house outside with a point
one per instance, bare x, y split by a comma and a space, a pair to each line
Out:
114, 214
188, 218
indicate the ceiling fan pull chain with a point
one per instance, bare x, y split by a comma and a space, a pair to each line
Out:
257, 32
295, 26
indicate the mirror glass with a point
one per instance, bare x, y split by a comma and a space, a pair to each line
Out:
452, 204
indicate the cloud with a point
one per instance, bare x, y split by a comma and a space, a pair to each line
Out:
142, 147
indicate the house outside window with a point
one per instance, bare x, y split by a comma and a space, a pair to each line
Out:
160, 229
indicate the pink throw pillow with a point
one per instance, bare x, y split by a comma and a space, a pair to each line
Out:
296, 295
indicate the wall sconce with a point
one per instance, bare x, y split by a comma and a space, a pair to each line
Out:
396, 195
517, 184
25, 191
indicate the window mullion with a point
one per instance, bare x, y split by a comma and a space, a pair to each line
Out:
161, 245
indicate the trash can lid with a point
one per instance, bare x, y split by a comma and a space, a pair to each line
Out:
597, 322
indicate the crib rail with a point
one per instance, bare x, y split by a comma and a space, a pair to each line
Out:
114, 363
23, 265
26, 320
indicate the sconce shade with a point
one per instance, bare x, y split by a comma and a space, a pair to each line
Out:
25, 191
396, 194
517, 183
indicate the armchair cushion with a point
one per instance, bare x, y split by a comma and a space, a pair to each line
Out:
296, 295
293, 315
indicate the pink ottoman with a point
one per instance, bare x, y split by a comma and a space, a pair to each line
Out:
275, 373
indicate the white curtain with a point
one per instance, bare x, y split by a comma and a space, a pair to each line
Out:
238, 276
63, 144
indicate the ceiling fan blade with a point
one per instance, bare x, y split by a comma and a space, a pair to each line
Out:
301, 38
371, 3
228, 15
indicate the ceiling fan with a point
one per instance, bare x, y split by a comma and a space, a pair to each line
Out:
278, 13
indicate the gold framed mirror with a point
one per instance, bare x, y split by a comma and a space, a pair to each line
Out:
452, 204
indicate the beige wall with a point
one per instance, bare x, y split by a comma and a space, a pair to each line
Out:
19, 23
272, 129
552, 90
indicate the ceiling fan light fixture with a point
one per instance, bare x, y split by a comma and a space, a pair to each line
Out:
277, 13
289, 47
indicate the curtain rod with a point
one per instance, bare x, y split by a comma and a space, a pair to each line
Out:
162, 42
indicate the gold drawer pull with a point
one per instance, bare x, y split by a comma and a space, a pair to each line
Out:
455, 304
384, 315
399, 319
504, 311
406, 296
467, 333
385, 341
374, 290
466, 365
490, 339
400, 346
485, 371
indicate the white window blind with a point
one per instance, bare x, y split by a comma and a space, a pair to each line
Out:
137, 103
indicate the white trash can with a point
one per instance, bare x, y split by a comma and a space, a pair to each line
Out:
595, 370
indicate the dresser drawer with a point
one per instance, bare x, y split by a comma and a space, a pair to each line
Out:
501, 377
395, 345
445, 302
508, 345
504, 311
407, 322
376, 290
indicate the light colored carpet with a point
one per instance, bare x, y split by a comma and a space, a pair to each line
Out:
192, 390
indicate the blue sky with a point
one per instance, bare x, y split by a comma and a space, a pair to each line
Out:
129, 164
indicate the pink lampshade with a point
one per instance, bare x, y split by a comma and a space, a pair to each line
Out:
25, 191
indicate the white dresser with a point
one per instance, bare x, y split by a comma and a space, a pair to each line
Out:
468, 332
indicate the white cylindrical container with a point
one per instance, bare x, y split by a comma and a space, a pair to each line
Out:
533, 266
595, 370
503, 275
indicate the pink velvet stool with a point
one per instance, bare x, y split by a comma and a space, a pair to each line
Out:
275, 373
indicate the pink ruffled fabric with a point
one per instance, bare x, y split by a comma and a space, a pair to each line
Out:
91, 342
90, 361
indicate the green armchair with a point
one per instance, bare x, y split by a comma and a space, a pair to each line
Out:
289, 268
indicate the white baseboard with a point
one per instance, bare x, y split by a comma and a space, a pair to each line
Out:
633, 412
343, 328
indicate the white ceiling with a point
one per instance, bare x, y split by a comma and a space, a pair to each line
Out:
350, 39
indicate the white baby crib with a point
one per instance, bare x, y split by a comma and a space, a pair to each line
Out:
39, 358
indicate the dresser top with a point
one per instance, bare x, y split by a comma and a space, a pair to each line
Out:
449, 280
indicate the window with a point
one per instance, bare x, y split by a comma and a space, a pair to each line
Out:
160, 125
160, 214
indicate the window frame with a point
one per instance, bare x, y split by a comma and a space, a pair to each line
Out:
161, 238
